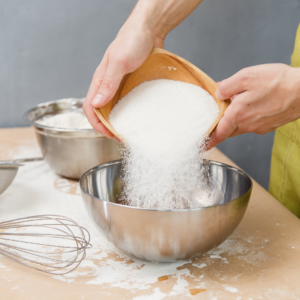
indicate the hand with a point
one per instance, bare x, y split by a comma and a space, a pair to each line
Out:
263, 98
125, 54
147, 27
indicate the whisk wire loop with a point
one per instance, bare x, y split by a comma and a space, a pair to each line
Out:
58, 244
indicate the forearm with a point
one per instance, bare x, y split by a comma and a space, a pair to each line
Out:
160, 16
147, 26
295, 85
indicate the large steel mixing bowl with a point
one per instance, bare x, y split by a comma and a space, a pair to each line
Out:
70, 152
166, 235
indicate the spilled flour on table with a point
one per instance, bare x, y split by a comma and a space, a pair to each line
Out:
231, 289
117, 275
67, 186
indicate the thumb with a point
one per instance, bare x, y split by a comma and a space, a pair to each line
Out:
223, 130
109, 84
231, 86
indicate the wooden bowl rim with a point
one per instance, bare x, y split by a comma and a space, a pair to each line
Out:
222, 104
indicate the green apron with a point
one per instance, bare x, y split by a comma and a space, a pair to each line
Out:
285, 164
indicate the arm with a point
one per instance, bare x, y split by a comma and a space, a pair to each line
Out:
146, 27
263, 97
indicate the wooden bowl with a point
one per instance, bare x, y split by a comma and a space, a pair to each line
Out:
162, 64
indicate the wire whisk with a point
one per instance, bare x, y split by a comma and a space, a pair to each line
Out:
49, 243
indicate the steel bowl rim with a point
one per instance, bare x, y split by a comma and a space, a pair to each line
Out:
111, 163
50, 128
9, 165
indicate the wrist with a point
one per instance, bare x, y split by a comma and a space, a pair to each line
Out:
138, 20
156, 18
160, 17
297, 81
295, 84
151, 16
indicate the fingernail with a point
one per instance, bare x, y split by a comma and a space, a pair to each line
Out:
218, 94
97, 100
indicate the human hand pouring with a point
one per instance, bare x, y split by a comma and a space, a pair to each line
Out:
162, 64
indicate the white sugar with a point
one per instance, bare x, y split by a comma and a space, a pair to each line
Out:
164, 123
67, 120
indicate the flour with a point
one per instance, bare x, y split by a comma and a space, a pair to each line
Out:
164, 123
231, 289
110, 272
67, 120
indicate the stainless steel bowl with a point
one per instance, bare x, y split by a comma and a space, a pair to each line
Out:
8, 172
166, 235
70, 152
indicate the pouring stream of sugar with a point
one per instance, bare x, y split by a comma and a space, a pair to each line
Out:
164, 115
162, 166
157, 112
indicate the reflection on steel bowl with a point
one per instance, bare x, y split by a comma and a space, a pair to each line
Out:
166, 235
70, 152
8, 172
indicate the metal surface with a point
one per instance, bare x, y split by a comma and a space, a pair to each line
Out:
48, 243
19, 161
166, 235
70, 152
8, 172
9, 169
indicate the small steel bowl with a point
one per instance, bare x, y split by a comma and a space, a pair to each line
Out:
166, 235
8, 172
70, 152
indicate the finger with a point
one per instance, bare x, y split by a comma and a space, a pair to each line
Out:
224, 129
232, 86
102, 129
116, 139
109, 84
94, 121
87, 106
97, 78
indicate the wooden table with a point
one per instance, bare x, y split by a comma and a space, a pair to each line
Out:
259, 261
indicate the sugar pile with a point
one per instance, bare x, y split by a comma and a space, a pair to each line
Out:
67, 120
164, 123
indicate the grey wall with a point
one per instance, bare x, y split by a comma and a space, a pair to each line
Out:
50, 49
